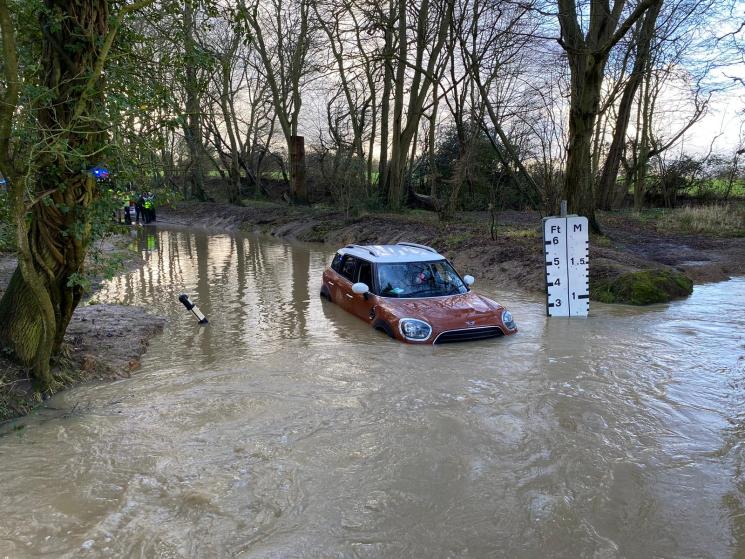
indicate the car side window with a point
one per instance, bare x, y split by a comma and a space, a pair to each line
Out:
365, 273
349, 267
336, 263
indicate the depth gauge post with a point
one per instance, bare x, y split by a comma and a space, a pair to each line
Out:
566, 248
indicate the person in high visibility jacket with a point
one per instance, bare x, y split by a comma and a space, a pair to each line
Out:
149, 207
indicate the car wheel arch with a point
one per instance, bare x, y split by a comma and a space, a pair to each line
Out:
383, 326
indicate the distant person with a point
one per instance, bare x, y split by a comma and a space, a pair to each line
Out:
140, 207
149, 207
146, 203
130, 211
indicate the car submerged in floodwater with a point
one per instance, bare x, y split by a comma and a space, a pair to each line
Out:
413, 294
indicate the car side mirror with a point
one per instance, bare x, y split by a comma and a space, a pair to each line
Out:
360, 288
468, 280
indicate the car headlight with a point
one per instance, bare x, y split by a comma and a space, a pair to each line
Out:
414, 329
507, 320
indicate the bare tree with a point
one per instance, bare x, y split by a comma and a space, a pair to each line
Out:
430, 34
331, 20
193, 90
493, 42
282, 32
587, 46
641, 42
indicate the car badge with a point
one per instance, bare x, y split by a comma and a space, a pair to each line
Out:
470, 322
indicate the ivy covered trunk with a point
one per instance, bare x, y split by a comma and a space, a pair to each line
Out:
54, 234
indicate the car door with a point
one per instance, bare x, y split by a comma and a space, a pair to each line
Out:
332, 278
361, 304
347, 276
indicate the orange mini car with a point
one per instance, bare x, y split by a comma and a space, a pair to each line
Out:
413, 294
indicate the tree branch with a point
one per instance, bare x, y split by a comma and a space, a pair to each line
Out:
104, 53
628, 22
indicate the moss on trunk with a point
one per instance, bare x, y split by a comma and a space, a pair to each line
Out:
20, 320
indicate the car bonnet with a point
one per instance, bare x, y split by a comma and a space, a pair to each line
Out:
434, 309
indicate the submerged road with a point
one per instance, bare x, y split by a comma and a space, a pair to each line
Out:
288, 428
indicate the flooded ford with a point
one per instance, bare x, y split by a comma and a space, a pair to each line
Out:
287, 428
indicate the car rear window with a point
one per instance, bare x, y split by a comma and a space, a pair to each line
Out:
349, 267
336, 263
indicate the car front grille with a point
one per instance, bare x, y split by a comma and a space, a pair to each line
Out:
469, 334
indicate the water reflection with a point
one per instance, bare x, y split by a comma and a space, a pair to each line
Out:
289, 428
262, 287
146, 239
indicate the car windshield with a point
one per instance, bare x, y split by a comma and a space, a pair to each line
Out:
419, 279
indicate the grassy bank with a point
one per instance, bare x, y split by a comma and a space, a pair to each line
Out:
716, 220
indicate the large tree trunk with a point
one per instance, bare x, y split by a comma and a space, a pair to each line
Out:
397, 161
399, 149
296, 151
587, 52
43, 293
234, 184
23, 329
192, 128
55, 259
587, 80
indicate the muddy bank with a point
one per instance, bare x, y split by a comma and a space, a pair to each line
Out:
511, 258
633, 263
102, 342
703, 258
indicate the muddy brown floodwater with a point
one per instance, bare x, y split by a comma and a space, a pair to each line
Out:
288, 428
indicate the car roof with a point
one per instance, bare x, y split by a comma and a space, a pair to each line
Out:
401, 252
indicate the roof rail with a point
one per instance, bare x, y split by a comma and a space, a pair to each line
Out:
415, 245
366, 249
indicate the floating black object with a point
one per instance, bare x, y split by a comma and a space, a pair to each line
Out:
184, 298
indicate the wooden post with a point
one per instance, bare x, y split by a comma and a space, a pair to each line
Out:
298, 190
563, 208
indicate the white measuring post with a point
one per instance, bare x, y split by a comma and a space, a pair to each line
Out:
567, 243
